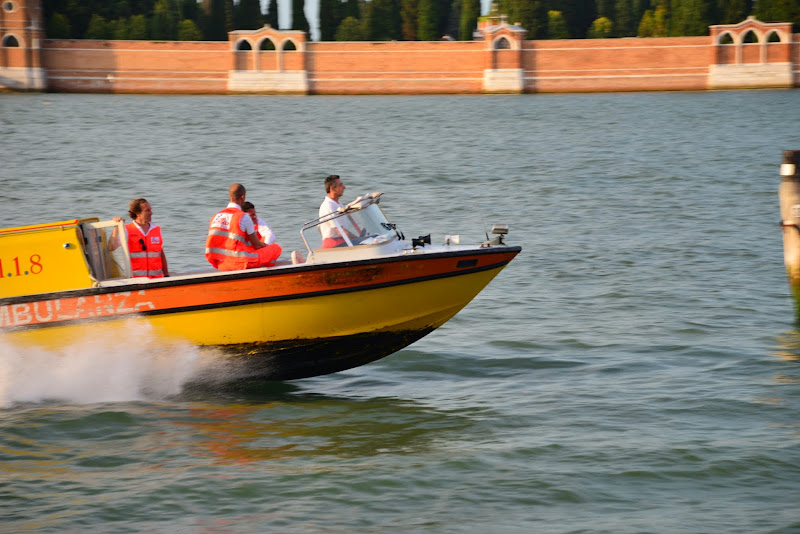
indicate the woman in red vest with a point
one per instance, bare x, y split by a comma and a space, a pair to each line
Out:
144, 242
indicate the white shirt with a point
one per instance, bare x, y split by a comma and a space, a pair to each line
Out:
328, 229
265, 233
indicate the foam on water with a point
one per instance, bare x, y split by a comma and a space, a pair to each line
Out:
129, 365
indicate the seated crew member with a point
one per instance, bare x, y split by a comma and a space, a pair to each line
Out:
144, 241
232, 241
331, 236
265, 233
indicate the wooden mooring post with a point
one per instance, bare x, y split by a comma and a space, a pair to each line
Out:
789, 196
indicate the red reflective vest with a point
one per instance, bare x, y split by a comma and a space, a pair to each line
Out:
227, 246
145, 251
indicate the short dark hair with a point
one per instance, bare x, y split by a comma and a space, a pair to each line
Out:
247, 206
329, 181
136, 207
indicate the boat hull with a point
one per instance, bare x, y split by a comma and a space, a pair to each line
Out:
279, 324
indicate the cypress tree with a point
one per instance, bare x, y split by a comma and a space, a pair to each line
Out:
384, 20
470, 11
59, 27
215, 29
689, 17
248, 15
330, 16
163, 24
299, 21
272, 14
427, 21
408, 13
624, 23
352, 8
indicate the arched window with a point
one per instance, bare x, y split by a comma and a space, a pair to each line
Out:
8, 6
773, 37
267, 44
726, 39
750, 37
289, 45
243, 45
10, 41
502, 44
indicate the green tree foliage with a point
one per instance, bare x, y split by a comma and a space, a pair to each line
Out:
330, 16
350, 30
779, 11
605, 8
164, 24
58, 27
531, 15
299, 20
690, 17
118, 29
578, 15
406, 19
98, 28
216, 29
272, 14
602, 28
137, 28
384, 22
188, 31
470, 11
626, 22
427, 21
408, 14
247, 15
556, 25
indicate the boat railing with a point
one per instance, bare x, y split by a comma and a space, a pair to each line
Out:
361, 222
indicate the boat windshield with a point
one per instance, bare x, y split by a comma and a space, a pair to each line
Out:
362, 222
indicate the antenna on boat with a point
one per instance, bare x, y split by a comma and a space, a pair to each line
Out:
483, 221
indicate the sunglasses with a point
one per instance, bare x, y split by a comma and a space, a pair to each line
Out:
141, 242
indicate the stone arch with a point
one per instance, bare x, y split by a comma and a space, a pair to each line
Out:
750, 43
501, 43
267, 55
288, 46
750, 37
10, 41
242, 55
773, 37
726, 49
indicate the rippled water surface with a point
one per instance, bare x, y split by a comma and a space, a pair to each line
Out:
635, 369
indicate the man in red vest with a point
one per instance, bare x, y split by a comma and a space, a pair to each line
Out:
232, 241
144, 242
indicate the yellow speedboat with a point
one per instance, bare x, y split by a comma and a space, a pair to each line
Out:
341, 308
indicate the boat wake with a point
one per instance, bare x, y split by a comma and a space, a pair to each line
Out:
133, 364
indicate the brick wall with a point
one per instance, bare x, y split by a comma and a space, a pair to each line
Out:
653, 64
396, 67
136, 66
679, 63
